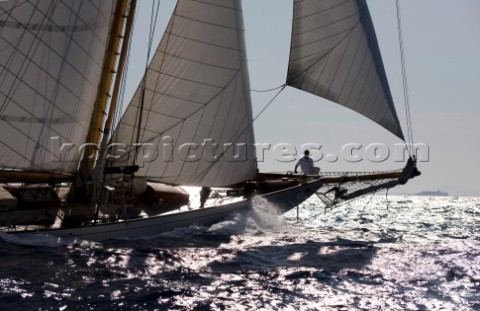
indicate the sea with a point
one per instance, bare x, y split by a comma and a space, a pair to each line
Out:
375, 253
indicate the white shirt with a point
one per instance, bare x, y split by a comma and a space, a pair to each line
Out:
306, 164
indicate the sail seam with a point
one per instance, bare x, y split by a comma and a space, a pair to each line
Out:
187, 80
99, 10
79, 18
217, 5
79, 45
330, 24
11, 100
172, 96
327, 54
349, 36
20, 155
361, 94
324, 52
48, 28
9, 62
200, 119
150, 109
206, 43
364, 90
357, 73
30, 138
321, 11
47, 72
193, 112
204, 173
207, 23
324, 38
197, 62
37, 144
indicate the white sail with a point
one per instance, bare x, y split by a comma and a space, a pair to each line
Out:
195, 94
51, 55
335, 54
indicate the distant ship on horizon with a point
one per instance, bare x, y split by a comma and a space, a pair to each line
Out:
437, 193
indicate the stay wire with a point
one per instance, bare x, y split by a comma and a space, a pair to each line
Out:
269, 90
139, 114
405, 84
387, 200
366, 204
270, 102
153, 26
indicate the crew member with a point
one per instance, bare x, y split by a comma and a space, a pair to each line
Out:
306, 165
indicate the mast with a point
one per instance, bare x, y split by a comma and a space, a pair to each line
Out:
97, 121
118, 78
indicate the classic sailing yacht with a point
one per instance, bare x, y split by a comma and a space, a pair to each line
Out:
189, 123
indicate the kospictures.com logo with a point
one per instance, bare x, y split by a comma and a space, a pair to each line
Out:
168, 150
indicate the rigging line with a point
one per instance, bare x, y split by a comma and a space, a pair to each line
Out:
118, 115
153, 26
388, 201
210, 134
269, 90
121, 105
269, 103
405, 84
140, 111
326, 207
143, 86
366, 204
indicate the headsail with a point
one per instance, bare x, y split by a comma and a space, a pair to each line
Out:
335, 54
51, 55
195, 94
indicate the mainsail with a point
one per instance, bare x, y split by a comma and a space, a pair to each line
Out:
334, 54
191, 117
51, 55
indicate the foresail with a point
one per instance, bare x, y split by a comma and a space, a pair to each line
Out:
51, 55
191, 117
334, 54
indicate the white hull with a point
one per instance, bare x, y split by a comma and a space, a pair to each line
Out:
284, 199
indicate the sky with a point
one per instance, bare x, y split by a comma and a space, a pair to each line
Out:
442, 46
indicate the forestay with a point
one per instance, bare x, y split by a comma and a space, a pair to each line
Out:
335, 54
51, 55
195, 94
